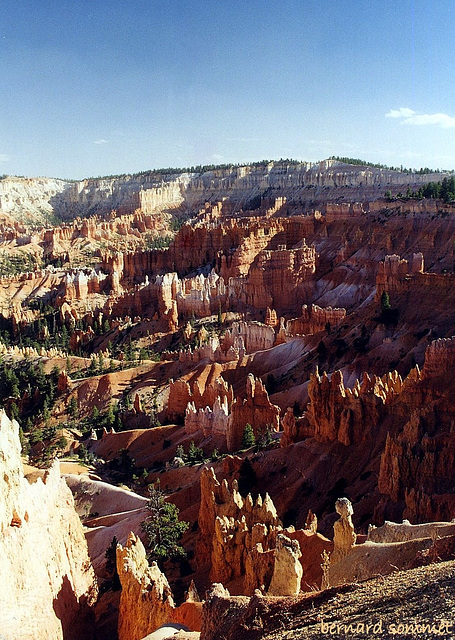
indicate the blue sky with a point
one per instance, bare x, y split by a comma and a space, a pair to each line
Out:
91, 88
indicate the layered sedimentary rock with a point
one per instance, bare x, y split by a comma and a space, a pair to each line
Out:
201, 296
236, 534
214, 350
314, 319
241, 338
151, 191
30, 195
146, 600
439, 360
276, 278
289, 428
254, 335
214, 412
242, 543
349, 415
271, 318
394, 273
398, 276
202, 389
412, 417
48, 585
212, 422
21, 318
255, 409
418, 453
253, 264
258, 273
78, 285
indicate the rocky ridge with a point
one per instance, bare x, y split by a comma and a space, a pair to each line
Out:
150, 191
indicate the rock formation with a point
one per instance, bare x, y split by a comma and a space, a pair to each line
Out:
150, 192
344, 536
48, 585
397, 276
255, 336
212, 422
394, 274
231, 528
201, 389
256, 409
418, 453
349, 415
289, 428
242, 544
271, 319
399, 532
221, 612
146, 600
225, 418
314, 319
265, 257
287, 571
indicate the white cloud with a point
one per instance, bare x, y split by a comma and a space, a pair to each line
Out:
101, 141
442, 119
410, 117
4, 157
403, 112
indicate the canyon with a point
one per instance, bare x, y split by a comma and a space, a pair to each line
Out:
270, 346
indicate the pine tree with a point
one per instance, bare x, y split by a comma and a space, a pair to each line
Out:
248, 439
25, 446
195, 454
93, 369
111, 566
109, 418
72, 409
163, 528
385, 301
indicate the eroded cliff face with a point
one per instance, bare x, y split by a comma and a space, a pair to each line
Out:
225, 418
238, 536
150, 191
409, 421
243, 543
349, 415
419, 452
29, 198
48, 585
146, 600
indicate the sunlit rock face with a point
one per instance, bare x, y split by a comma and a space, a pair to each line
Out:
146, 600
48, 585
